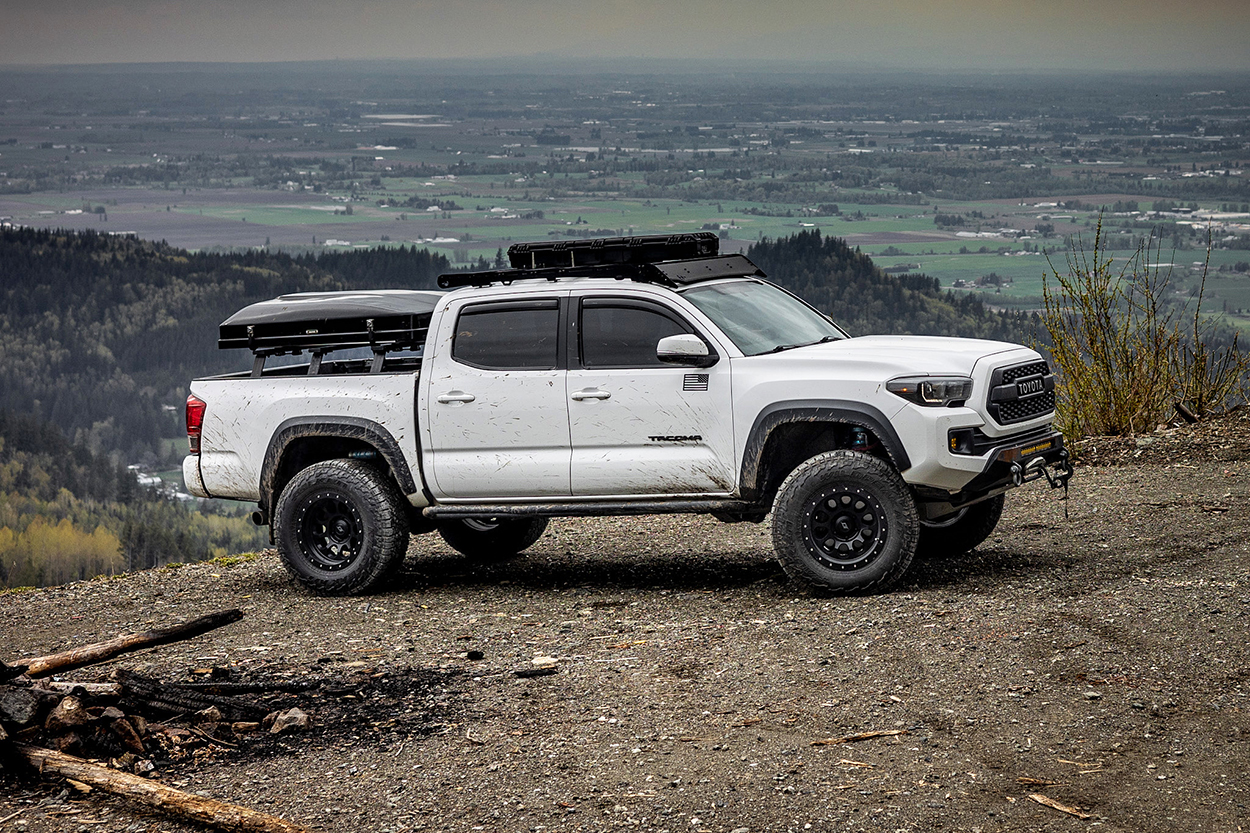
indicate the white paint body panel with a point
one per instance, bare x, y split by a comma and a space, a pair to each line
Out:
614, 453
512, 440
613, 450
856, 370
243, 415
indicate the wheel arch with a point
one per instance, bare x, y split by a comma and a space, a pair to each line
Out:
300, 442
787, 433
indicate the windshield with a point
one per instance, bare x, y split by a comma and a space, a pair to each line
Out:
760, 317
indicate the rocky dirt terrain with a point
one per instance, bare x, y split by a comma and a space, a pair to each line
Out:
1094, 655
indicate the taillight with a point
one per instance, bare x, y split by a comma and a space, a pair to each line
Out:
195, 421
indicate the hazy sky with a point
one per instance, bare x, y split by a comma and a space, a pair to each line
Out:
995, 34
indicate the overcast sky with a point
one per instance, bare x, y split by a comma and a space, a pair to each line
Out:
974, 34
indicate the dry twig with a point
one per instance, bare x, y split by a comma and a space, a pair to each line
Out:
861, 736
1055, 805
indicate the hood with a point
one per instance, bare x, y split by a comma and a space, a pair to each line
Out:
915, 355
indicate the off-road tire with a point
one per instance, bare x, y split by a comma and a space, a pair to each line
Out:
491, 539
962, 532
341, 527
845, 522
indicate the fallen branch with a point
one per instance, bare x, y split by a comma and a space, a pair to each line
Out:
94, 689
101, 651
1055, 805
168, 800
861, 736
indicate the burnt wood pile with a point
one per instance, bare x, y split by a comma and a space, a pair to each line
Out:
128, 724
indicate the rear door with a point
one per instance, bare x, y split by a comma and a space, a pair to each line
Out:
637, 426
498, 412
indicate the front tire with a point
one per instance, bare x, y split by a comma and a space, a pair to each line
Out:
341, 527
492, 539
962, 532
845, 522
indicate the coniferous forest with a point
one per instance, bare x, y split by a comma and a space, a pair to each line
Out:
100, 336
845, 283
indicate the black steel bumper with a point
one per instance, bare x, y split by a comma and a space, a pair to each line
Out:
1012, 464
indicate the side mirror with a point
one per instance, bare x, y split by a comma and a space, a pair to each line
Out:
686, 349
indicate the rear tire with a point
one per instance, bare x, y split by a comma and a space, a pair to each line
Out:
845, 522
341, 527
961, 532
491, 539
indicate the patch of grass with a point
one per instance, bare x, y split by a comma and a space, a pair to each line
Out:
231, 560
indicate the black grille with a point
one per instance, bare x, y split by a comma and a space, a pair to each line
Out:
1007, 407
1022, 409
1011, 374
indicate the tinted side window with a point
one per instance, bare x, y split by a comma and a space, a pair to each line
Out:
508, 338
621, 336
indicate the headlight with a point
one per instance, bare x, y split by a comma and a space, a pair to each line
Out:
934, 391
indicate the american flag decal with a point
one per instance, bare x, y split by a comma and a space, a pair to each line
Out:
695, 381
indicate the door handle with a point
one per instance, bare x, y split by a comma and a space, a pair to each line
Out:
455, 396
590, 393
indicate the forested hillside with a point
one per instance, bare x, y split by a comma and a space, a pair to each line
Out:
100, 335
844, 282
67, 514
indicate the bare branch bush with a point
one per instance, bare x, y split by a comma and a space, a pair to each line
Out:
1123, 355
1208, 377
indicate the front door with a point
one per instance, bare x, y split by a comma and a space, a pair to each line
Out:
637, 426
498, 413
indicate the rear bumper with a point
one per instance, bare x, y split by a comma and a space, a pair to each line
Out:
191, 476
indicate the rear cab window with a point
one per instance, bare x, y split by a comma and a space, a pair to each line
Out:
510, 335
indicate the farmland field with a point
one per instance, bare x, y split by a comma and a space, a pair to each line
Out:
973, 181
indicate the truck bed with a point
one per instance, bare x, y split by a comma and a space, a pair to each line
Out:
246, 415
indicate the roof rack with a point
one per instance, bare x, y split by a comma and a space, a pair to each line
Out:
672, 260
649, 248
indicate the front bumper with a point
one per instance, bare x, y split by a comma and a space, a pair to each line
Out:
1011, 464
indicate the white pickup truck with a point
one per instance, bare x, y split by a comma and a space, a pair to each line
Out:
621, 376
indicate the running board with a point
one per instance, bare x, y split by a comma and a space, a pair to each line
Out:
583, 510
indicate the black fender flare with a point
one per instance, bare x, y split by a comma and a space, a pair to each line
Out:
342, 427
815, 410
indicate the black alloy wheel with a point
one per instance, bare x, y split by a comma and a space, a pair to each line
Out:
329, 530
492, 539
846, 528
962, 531
341, 527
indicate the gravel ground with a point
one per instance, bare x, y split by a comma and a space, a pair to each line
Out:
1099, 660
